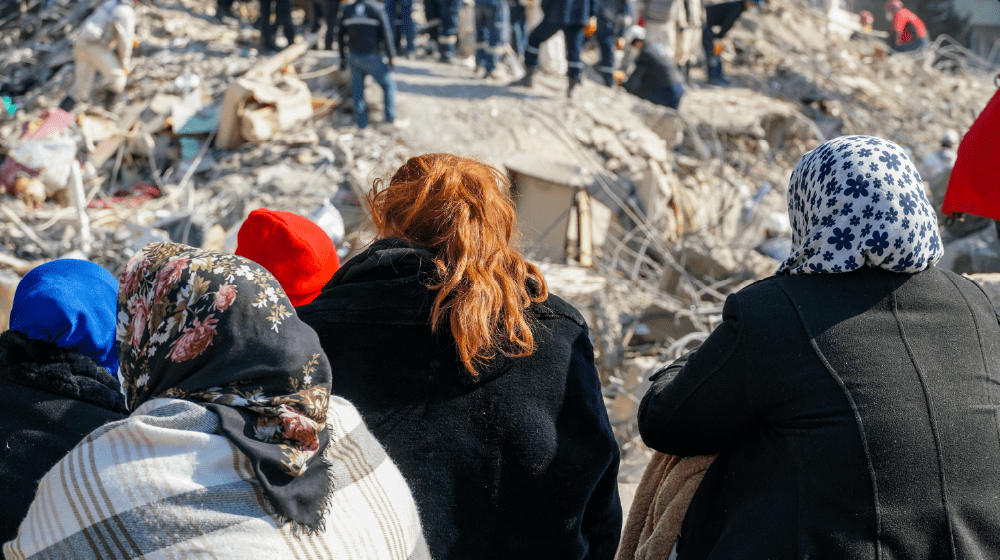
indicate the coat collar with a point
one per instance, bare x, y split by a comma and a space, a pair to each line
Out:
43, 365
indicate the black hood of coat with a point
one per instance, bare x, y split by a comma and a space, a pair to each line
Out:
43, 365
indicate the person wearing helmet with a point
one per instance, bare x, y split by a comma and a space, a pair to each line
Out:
867, 19
911, 33
723, 16
656, 77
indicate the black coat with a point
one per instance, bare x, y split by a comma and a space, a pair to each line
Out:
51, 399
655, 70
857, 415
519, 464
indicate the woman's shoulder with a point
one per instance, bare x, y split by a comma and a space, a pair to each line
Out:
554, 308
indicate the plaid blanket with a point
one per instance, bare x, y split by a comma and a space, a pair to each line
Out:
161, 484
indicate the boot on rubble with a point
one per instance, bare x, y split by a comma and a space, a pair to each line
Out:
573, 82
715, 76
529, 77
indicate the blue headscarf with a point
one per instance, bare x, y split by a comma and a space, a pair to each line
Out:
858, 201
72, 304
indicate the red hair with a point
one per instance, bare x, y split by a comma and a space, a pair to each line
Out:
462, 208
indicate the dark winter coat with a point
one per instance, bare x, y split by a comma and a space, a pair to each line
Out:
365, 29
51, 399
520, 463
655, 71
857, 415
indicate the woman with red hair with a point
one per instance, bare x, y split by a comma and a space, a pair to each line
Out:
479, 383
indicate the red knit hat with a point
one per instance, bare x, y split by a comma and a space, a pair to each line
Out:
973, 187
295, 250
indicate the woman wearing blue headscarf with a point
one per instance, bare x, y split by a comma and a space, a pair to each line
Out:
853, 398
58, 367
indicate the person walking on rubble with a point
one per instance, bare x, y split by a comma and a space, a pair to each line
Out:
723, 16
104, 45
910, 31
364, 38
490, 15
447, 12
283, 17
331, 13
570, 17
400, 13
852, 398
608, 14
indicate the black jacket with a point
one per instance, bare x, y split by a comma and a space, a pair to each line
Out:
51, 399
519, 464
723, 15
655, 70
857, 415
365, 26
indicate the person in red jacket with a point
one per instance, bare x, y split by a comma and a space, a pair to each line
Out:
973, 188
911, 33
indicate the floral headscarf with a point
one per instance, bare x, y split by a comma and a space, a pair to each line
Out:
858, 201
216, 329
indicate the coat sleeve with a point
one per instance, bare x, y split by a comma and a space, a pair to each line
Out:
706, 408
634, 82
390, 44
341, 34
602, 518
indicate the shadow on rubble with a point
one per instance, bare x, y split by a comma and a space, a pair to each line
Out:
412, 71
181, 8
464, 90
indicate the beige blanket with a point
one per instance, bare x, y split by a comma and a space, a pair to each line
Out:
661, 501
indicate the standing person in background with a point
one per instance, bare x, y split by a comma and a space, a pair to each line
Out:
867, 20
447, 33
910, 31
104, 45
570, 17
400, 14
223, 9
723, 16
364, 38
608, 14
331, 12
489, 35
479, 383
519, 26
283, 17
58, 375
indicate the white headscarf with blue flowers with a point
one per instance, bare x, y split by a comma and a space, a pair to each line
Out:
858, 201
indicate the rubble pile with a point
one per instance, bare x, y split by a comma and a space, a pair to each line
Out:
644, 217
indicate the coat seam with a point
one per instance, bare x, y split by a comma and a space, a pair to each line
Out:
982, 350
857, 418
942, 478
